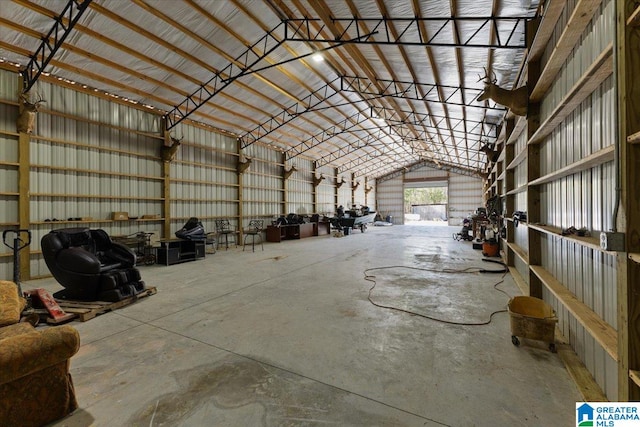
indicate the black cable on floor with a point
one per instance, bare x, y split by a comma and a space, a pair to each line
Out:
504, 271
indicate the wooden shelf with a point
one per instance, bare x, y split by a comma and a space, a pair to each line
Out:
517, 190
635, 257
634, 19
9, 194
519, 158
588, 241
501, 176
578, 21
94, 196
519, 252
13, 164
552, 12
518, 128
601, 68
97, 221
634, 138
603, 156
522, 285
600, 330
97, 172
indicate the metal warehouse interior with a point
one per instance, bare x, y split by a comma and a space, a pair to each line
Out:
138, 115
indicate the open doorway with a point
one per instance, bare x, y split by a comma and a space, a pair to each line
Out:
426, 204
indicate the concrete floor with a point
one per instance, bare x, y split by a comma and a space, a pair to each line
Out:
287, 337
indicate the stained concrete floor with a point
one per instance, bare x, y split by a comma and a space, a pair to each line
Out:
288, 337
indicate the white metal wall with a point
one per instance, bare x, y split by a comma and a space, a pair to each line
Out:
300, 188
390, 199
465, 196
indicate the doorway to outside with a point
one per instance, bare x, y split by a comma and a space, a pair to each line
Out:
426, 204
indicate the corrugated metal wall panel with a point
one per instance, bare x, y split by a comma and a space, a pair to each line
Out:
465, 196
300, 188
390, 199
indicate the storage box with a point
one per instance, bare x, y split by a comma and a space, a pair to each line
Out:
119, 216
150, 216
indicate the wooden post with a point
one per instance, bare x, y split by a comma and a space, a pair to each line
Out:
336, 190
240, 196
533, 172
628, 221
315, 189
24, 199
166, 190
285, 187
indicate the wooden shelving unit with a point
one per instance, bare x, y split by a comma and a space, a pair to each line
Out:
97, 172
603, 156
601, 331
591, 242
519, 252
583, 12
601, 68
94, 196
519, 158
517, 190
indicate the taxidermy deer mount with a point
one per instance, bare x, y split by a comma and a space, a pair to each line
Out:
27, 112
243, 165
317, 181
288, 173
517, 100
339, 184
168, 153
367, 190
492, 155
356, 185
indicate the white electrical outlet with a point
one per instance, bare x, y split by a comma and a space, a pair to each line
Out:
610, 241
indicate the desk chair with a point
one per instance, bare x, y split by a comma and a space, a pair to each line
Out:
254, 230
224, 230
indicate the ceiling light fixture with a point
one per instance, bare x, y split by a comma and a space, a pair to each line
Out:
317, 57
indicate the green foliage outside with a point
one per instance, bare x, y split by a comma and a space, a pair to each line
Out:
424, 196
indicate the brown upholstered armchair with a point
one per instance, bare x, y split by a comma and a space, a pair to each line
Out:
35, 383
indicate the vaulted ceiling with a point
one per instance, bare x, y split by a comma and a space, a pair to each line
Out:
365, 86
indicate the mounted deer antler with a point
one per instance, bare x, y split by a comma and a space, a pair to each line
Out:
492, 155
317, 181
288, 173
517, 100
356, 185
339, 184
367, 190
243, 166
168, 153
27, 112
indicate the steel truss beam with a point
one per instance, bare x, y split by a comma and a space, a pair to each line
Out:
510, 32
367, 158
223, 78
288, 114
58, 33
368, 141
412, 118
414, 91
345, 125
443, 165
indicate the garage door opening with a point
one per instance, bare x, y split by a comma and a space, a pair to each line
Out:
426, 205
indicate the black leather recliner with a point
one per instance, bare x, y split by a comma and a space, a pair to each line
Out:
90, 266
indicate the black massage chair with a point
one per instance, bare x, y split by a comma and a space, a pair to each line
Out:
90, 266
